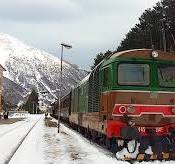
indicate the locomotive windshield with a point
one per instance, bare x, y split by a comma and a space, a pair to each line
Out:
166, 75
133, 74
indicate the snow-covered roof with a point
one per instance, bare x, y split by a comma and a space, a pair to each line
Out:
85, 79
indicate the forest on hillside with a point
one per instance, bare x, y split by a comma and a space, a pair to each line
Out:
156, 29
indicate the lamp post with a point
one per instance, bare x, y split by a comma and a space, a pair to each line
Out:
63, 45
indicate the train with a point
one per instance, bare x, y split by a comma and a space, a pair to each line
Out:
129, 96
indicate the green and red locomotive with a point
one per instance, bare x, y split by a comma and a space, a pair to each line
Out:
130, 95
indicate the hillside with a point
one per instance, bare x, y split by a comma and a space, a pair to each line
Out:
33, 68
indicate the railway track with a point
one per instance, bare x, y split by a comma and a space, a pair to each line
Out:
20, 143
11, 129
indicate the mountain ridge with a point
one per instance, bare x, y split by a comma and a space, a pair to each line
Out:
32, 68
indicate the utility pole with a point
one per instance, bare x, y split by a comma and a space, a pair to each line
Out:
33, 107
163, 31
164, 36
151, 39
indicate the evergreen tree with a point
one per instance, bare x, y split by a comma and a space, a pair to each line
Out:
32, 104
156, 28
99, 57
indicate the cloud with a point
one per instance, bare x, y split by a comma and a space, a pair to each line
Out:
38, 10
91, 26
66, 10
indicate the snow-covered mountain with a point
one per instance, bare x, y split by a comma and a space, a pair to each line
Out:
13, 93
32, 68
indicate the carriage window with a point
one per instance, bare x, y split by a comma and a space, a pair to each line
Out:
107, 77
133, 74
166, 75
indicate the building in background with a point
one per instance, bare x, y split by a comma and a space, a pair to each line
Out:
32, 105
2, 69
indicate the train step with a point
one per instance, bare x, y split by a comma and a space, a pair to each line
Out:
149, 157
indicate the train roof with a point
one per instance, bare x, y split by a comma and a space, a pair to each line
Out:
139, 54
84, 80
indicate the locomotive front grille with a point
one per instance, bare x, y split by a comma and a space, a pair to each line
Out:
152, 120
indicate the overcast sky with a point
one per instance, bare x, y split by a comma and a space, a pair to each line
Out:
91, 26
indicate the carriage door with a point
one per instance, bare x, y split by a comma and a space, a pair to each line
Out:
105, 97
80, 114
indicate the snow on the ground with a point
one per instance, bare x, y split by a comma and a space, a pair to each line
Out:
6, 128
12, 134
19, 115
31, 150
44, 145
79, 150
124, 153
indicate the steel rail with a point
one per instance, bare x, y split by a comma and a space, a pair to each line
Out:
21, 142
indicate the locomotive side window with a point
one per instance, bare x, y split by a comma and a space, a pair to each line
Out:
166, 75
134, 74
107, 77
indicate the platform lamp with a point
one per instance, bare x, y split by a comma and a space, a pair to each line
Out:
67, 46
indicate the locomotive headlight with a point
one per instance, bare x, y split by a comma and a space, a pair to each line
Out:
155, 54
173, 110
131, 109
